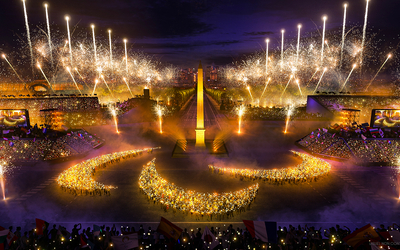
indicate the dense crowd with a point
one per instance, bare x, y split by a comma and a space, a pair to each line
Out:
272, 113
78, 178
226, 237
310, 169
34, 150
357, 142
171, 196
61, 104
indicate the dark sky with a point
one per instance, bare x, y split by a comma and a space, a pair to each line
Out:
182, 32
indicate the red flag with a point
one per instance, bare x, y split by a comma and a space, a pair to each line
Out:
83, 242
360, 236
41, 226
169, 229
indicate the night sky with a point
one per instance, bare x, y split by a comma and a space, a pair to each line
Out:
182, 32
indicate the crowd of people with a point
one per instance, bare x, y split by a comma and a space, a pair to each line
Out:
272, 113
366, 145
169, 195
60, 103
78, 178
48, 148
310, 169
226, 237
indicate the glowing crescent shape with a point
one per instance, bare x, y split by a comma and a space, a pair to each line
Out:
79, 176
390, 124
160, 190
310, 167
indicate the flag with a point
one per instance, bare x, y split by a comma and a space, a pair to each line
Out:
25, 130
374, 130
44, 130
6, 132
41, 226
4, 138
168, 229
63, 231
15, 137
381, 243
83, 242
363, 137
64, 127
80, 135
11, 143
263, 230
29, 131
11, 238
3, 237
209, 239
361, 236
125, 242
34, 139
96, 230
325, 130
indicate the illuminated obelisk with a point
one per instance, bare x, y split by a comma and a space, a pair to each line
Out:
200, 130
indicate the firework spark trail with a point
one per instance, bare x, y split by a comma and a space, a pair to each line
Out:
248, 88
45, 77
378, 72
48, 34
126, 56
343, 35
94, 45
320, 80
323, 40
129, 87
351, 71
83, 79
69, 40
241, 111
266, 57
298, 45
107, 86
289, 113
266, 84
283, 92
159, 113
114, 114
363, 36
28, 35
95, 84
73, 79
283, 32
5, 58
109, 38
298, 84
312, 76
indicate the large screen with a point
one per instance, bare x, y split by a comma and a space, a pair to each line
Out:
14, 117
385, 118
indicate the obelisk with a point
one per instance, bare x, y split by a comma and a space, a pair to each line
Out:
200, 130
